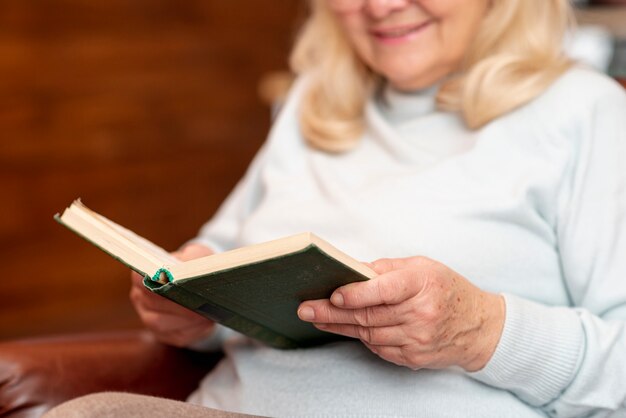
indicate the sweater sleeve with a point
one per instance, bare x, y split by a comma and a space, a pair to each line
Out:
571, 361
221, 231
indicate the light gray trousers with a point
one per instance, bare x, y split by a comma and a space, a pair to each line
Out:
126, 405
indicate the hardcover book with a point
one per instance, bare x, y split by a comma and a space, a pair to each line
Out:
254, 290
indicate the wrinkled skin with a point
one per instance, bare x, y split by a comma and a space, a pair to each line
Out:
416, 313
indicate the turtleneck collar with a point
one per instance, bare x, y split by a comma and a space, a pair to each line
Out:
398, 106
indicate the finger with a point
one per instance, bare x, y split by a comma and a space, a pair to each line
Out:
142, 296
385, 265
164, 323
144, 299
322, 311
368, 264
136, 279
414, 360
394, 354
387, 289
171, 332
383, 336
192, 251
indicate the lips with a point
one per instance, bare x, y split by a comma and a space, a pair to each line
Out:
398, 31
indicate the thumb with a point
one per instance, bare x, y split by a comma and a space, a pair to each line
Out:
191, 251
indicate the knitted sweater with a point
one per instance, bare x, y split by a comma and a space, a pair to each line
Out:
532, 206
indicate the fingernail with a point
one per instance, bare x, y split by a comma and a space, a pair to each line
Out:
321, 326
337, 299
306, 313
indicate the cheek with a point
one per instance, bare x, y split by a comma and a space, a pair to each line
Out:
456, 34
459, 22
356, 32
454, 42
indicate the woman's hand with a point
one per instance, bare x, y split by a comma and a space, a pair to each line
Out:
171, 323
417, 313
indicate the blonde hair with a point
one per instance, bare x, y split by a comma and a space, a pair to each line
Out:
516, 54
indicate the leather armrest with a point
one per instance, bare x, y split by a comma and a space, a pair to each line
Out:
37, 374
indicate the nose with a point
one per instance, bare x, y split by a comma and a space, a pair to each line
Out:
381, 8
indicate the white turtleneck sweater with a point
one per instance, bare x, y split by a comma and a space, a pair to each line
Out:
532, 205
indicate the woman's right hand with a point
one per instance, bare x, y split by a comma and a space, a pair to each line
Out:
171, 323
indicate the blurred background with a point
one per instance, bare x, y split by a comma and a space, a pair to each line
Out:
149, 110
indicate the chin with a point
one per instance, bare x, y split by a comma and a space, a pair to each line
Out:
400, 79
423, 80
409, 84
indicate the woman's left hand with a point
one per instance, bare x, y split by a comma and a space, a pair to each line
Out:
416, 313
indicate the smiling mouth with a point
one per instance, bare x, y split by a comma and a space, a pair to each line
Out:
399, 32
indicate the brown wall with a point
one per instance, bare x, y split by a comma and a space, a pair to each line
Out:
147, 109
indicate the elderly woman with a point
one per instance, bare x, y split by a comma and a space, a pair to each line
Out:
453, 142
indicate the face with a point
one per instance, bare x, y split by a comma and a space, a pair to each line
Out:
412, 43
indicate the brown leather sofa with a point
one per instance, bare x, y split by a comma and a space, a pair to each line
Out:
37, 374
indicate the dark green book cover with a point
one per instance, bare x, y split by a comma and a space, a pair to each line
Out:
258, 297
261, 299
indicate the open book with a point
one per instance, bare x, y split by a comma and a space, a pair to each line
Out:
255, 290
